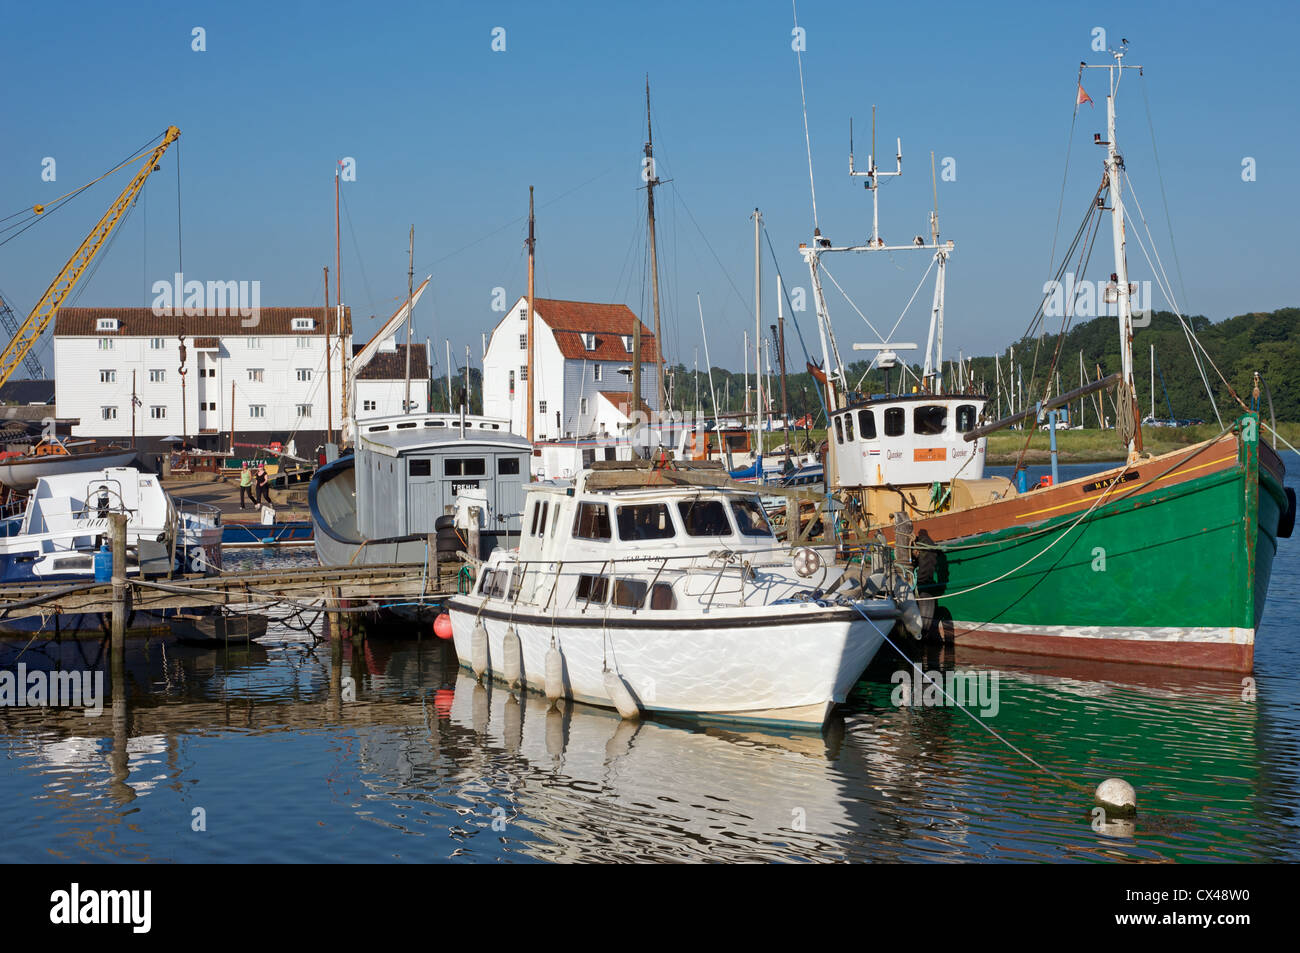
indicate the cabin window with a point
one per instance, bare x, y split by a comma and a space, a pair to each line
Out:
456, 466
592, 522
541, 524
848, 427
866, 425
704, 518
485, 584
419, 468
592, 588
929, 420
499, 582
508, 466
649, 521
965, 418
894, 421
750, 518
537, 511
516, 583
839, 430
661, 596
629, 593
555, 520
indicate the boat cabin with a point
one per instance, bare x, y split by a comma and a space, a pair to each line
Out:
410, 469
907, 440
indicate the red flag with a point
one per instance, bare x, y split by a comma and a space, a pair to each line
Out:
1083, 98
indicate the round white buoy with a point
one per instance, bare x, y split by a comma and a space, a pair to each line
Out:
512, 657
554, 674
478, 650
621, 695
1117, 797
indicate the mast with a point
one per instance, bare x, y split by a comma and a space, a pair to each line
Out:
528, 332
338, 297
758, 349
779, 331
705, 334
451, 403
651, 182
325, 330
410, 293
1123, 291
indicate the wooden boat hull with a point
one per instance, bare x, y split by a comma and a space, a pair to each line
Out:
1166, 562
21, 473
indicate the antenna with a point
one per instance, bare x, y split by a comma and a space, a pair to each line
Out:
934, 214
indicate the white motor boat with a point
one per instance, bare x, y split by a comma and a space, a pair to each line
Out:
664, 588
65, 521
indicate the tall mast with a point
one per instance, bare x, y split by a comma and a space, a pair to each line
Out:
410, 293
338, 297
779, 331
705, 334
1123, 291
528, 332
758, 349
325, 329
651, 181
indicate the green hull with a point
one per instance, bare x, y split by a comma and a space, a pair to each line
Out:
1173, 574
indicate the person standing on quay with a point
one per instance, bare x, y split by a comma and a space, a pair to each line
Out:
264, 486
246, 486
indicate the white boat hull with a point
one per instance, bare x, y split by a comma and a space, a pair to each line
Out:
753, 665
21, 473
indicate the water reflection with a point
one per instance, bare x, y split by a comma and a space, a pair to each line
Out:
382, 749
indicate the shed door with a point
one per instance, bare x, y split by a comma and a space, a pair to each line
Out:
423, 492
512, 471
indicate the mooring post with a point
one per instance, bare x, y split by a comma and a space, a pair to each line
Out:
431, 562
117, 540
473, 532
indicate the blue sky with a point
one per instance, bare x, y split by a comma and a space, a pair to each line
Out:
448, 134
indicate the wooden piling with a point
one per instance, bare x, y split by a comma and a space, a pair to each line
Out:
117, 541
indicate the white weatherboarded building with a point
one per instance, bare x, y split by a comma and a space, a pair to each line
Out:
582, 359
277, 369
381, 384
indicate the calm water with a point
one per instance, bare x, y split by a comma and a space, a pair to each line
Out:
425, 765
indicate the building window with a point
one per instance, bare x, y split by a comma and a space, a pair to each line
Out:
303, 343
211, 405
589, 341
582, 405
255, 374
523, 373
523, 342
541, 406
595, 372
106, 344
108, 413
106, 324
304, 324
157, 412
523, 314
257, 410
304, 410
368, 405
157, 375
627, 343
157, 344
108, 377
212, 372
304, 373
254, 344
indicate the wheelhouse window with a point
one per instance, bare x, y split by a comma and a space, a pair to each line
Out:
458, 466
592, 588
866, 425
629, 593
966, 418
592, 522
508, 466
704, 518
895, 421
929, 420
750, 519
647, 521
419, 467
848, 427
839, 430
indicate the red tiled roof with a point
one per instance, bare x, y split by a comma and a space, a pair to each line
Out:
391, 365
622, 400
609, 322
142, 322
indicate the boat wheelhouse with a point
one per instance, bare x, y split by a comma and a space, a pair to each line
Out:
381, 503
665, 585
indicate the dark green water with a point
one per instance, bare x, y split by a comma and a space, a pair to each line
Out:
411, 761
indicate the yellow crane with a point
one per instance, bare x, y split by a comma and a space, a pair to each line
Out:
22, 342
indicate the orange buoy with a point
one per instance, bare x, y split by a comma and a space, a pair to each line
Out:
442, 626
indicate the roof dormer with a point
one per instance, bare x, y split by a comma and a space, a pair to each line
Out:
106, 324
304, 324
